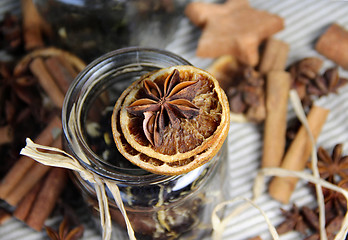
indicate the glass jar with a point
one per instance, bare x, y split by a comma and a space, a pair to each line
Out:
90, 28
158, 206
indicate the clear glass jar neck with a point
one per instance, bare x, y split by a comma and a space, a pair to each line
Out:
126, 65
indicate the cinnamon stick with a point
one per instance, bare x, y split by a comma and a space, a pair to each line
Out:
9, 182
23, 208
297, 155
274, 56
66, 58
333, 44
6, 134
4, 216
34, 27
72, 66
62, 76
30, 179
47, 82
47, 198
277, 95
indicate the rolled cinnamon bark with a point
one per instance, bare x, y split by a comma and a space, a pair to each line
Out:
30, 179
4, 216
47, 198
274, 56
333, 44
61, 75
16, 173
34, 27
25, 205
297, 155
47, 82
277, 95
74, 66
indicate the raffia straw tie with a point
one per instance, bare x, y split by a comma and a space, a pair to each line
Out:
55, 157
219, 225
259, 184
296, 102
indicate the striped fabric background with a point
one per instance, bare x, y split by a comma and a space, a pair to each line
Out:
305, 20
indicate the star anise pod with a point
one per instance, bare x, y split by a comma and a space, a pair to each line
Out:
64, 233
309, 83
246, 94
172, 101
306, 221
335, 202
294, 220
334, 166
331, 228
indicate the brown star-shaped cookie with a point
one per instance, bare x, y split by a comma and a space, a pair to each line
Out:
232, 28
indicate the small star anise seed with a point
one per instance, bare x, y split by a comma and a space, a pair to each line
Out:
331, 167
309, 83
335, 202
293, 221
64, 233
174, 101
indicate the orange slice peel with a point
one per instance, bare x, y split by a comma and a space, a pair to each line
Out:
194, 141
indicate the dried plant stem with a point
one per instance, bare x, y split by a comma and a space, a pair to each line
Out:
16, 173
277, 95
297, 155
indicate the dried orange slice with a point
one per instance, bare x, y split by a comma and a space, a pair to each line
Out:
172, 120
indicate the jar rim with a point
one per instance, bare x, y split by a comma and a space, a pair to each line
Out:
70, 134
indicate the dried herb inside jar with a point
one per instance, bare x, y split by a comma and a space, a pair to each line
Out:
93, 28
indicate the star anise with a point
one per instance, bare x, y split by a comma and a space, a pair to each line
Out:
335, 210
246, 94
64, 233
309, 83
335, 202
331, 227
173, 101
294, 220
306, 221
334, 166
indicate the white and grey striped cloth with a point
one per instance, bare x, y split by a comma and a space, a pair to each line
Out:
305, 21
